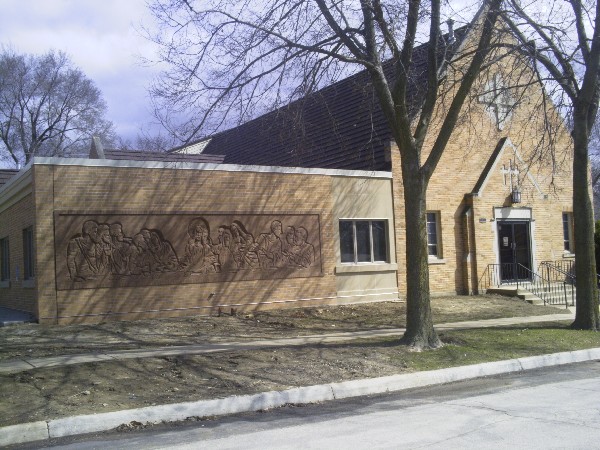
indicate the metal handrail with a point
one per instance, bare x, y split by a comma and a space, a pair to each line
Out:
549, 266
556, 274
552, 292
498, 274
548, 290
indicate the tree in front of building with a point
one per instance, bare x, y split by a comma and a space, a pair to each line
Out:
563, 41
227, 56
48, 107
597, 242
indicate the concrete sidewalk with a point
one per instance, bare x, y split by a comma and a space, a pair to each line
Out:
69, 426
90, 423
10, 316
23, 364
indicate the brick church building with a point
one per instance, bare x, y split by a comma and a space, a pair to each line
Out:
302, 206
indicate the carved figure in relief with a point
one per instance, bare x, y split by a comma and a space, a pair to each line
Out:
141, 259
82, 253
146, 235
164, 257
289, 243
298, 252
121, 252
270, 247
304, 253
199, 254
243, 247
104, 249
223, 249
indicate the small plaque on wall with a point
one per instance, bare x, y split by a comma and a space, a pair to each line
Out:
482, 220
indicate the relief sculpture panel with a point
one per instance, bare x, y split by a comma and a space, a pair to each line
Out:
113, 250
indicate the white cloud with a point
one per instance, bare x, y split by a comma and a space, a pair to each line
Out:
101, 38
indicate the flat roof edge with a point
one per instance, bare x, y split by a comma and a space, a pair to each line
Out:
86, 162
16, 188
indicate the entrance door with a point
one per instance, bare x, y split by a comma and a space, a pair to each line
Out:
515, 250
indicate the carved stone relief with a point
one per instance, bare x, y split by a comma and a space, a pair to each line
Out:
112, 250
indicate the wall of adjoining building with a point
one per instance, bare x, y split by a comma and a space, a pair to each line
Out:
163, 202
16, 214
365, 199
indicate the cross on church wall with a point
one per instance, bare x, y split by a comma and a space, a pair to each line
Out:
510, 171
498, 101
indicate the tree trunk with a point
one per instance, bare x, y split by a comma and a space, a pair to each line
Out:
586, 313
419, 320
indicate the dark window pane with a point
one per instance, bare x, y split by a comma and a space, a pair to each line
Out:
432, 239
4, 260
431, 234
28, 269
346, 241
566, 238
379, 241
363, 242
431, 229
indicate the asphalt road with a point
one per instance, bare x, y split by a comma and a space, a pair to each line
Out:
557, 407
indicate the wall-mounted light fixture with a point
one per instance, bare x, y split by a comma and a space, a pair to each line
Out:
515, 195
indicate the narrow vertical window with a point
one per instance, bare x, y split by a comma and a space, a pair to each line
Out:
433, 235
4, 260
347, 241
28, 266
567, 220
363, 242
379, 241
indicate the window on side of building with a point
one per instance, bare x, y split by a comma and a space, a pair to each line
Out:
4, 260
434, 244
567, 221
363, 241
28, 258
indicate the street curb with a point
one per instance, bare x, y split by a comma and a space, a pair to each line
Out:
23, 432
90, 423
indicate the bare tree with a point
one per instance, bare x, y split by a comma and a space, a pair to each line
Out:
230, 57
47, 107
563, 41
594, 151
145, 141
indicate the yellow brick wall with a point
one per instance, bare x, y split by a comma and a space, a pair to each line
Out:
13, 221
94, 189
456, 175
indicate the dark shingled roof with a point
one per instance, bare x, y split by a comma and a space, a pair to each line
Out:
135, 155
340, 126
7, 174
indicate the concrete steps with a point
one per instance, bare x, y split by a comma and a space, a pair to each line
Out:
554, 294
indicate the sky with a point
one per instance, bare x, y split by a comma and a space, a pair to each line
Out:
102, 39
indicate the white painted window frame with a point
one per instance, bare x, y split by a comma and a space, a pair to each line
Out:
438, 235
355, 243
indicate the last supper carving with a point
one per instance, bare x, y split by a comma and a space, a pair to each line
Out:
110, 250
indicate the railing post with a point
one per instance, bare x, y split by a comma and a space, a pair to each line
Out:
572, 294
565, 289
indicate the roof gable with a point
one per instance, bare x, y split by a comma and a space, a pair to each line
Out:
492, 164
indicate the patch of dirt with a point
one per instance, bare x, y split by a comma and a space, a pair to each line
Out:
41, 394
32, 340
